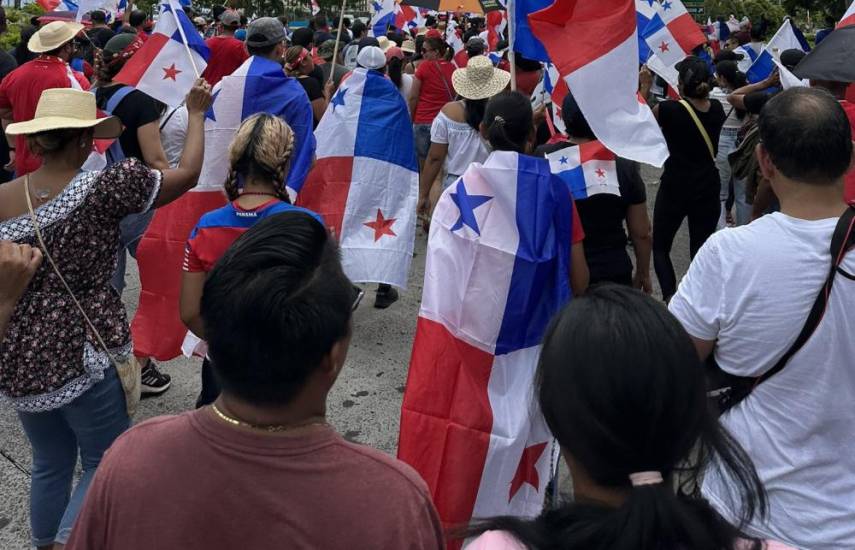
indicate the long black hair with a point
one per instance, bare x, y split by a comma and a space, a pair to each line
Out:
508, 119
394, 68
473, 112
621, 387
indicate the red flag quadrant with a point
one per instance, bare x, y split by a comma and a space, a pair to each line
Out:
602, 72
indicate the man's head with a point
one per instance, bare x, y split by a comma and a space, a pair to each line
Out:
805, 137
137, 19
276, 310
98, 17
359, 30
303, 37
792, 57
229, 21
574, 121
475, 46
265, 37
320, 22
56, 39
327, 49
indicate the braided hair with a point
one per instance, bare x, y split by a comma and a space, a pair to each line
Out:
262, 149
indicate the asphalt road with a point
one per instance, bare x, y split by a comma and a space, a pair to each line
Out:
364, 406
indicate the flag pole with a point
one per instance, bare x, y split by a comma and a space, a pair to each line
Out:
511, 56
337, 38
173, 7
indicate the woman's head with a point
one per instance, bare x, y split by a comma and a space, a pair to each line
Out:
622, 389
260, 151
729, 76
694, 78
74, 141
298, 61
508, 122
117, 51
433, 48
574, 120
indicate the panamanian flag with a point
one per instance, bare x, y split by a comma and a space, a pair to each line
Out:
162, 68
587, 169
259, 85
788, 37
672, 34
365, 180
497, 270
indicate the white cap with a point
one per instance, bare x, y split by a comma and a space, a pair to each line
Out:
371, 57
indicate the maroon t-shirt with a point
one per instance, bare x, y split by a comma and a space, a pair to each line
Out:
193, 481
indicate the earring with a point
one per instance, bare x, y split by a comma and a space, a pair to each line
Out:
82, 144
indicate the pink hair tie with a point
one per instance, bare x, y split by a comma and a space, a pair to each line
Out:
645, 478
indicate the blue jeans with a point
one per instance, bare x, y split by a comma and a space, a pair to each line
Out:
726, 145
421, 134
88, 426
131, 230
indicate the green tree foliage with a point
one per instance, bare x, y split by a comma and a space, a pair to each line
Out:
819, 9
754, 9
16, 19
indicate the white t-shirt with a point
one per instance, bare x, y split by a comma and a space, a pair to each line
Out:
173, 134
732, 121
406, 86
465, 145
751, 288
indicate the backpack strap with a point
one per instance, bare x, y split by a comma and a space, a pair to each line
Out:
117, 98
700, 126
841, 242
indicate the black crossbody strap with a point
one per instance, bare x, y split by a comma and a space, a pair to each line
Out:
842, 240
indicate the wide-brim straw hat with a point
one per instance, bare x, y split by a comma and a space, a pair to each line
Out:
67, 108
479, 79
385, 43
53, 35
408, 46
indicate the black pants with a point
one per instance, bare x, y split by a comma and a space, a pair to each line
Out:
210, 387
670, 210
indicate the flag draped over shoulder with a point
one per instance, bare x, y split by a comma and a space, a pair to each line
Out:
162, 68
365, 180
498, 268
602, 72
259, 85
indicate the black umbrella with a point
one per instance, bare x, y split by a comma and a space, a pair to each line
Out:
832, 59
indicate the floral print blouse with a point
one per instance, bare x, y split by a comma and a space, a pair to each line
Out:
49, 356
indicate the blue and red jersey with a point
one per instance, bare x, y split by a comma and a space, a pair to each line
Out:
218, 229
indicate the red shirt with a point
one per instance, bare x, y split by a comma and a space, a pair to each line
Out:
227, 54
436, 89
849, 185
218, 486
21, 90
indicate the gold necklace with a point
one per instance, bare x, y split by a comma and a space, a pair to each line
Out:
272, 429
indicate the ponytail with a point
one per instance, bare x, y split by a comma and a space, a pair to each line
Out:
508, 120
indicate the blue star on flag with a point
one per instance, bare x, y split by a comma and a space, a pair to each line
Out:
338, 98
563, 160
467, 205
210, 112
666, 5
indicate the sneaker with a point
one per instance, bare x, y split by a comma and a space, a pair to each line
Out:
154, 382
386, 296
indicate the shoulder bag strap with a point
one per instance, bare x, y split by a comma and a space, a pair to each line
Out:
117, 98
444, 82
700, 126
842, 240
56, 269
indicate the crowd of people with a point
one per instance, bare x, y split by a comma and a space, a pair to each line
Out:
761, 175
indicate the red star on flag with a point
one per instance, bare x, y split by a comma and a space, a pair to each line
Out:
171, 72
600, 173
527, 469
663, 47
381, 226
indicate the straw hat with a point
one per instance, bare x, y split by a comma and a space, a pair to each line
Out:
408, 46
384, 43
66, 108
479, 79
53, 35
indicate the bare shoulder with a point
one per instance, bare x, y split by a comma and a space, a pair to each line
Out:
455, 111
11, 197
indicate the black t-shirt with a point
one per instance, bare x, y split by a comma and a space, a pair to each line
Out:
135, 110
603, 216
313, 90
690, 167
